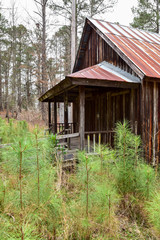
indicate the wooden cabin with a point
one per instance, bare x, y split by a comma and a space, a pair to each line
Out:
116, 76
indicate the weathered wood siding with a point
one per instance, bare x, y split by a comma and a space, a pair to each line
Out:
97, 50
150, 120
104, 108
141, 106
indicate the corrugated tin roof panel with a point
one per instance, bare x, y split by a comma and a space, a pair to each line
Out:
105, 71
141, 47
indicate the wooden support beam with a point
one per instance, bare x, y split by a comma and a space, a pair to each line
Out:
118, 108
102, 83
138, 119
66, 111
99, 132
82, 116
72, 135
114, 112
109, 114
124, 107
142, 113
132, 114
49, 114
155, 121
55, 117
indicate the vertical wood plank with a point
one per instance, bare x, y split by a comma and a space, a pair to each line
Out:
82, 116
146, 122
90, 56
109, 106
124, 108
100, 50
158, 154
114, 113
144, 115
142, 111
118, 108
99, 113
88, 138
94, 143
96, 113
55, 116
155, 121
49, 115
99, 141
66, 111
132, 109
107, 116
138, 110
136, 127
150, 122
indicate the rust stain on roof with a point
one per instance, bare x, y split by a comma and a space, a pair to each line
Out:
141, 47
105, 71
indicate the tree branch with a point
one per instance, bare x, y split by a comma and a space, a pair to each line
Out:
38, 2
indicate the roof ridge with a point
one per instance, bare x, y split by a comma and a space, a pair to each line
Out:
122, 25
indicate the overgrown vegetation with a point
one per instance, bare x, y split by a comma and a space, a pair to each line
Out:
111, 195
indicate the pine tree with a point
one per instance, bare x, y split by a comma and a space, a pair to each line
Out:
147, 15
3, 29
89, 8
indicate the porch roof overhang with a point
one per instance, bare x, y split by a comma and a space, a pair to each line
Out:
103, 75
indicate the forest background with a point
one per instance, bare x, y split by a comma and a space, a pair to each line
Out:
35, 54
111, 195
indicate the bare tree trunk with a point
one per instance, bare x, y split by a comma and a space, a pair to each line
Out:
91, 8
157, 17
44, 80
1, 105
27, 88
14, 70
19, 79
7, 67
43, 56
44, 75
38, 71
73, 34
6, 91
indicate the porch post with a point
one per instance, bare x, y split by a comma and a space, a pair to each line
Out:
109, 107
66, 111
49, 115
82, 116
124, 107
132, 109
55, 117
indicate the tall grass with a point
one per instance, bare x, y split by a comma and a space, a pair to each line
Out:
28, 193
39, 200
133, 176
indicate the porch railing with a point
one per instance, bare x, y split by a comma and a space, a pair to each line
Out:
60, 128
99, 137
92, 138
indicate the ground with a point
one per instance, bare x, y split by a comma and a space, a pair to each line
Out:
33, 117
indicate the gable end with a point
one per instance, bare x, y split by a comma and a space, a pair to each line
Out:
95, 47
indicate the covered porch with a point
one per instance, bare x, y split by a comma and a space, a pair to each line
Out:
100, 96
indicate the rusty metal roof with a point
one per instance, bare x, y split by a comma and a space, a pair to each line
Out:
105, 71
101, 75
141, 47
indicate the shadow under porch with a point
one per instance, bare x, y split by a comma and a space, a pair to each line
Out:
95, 112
